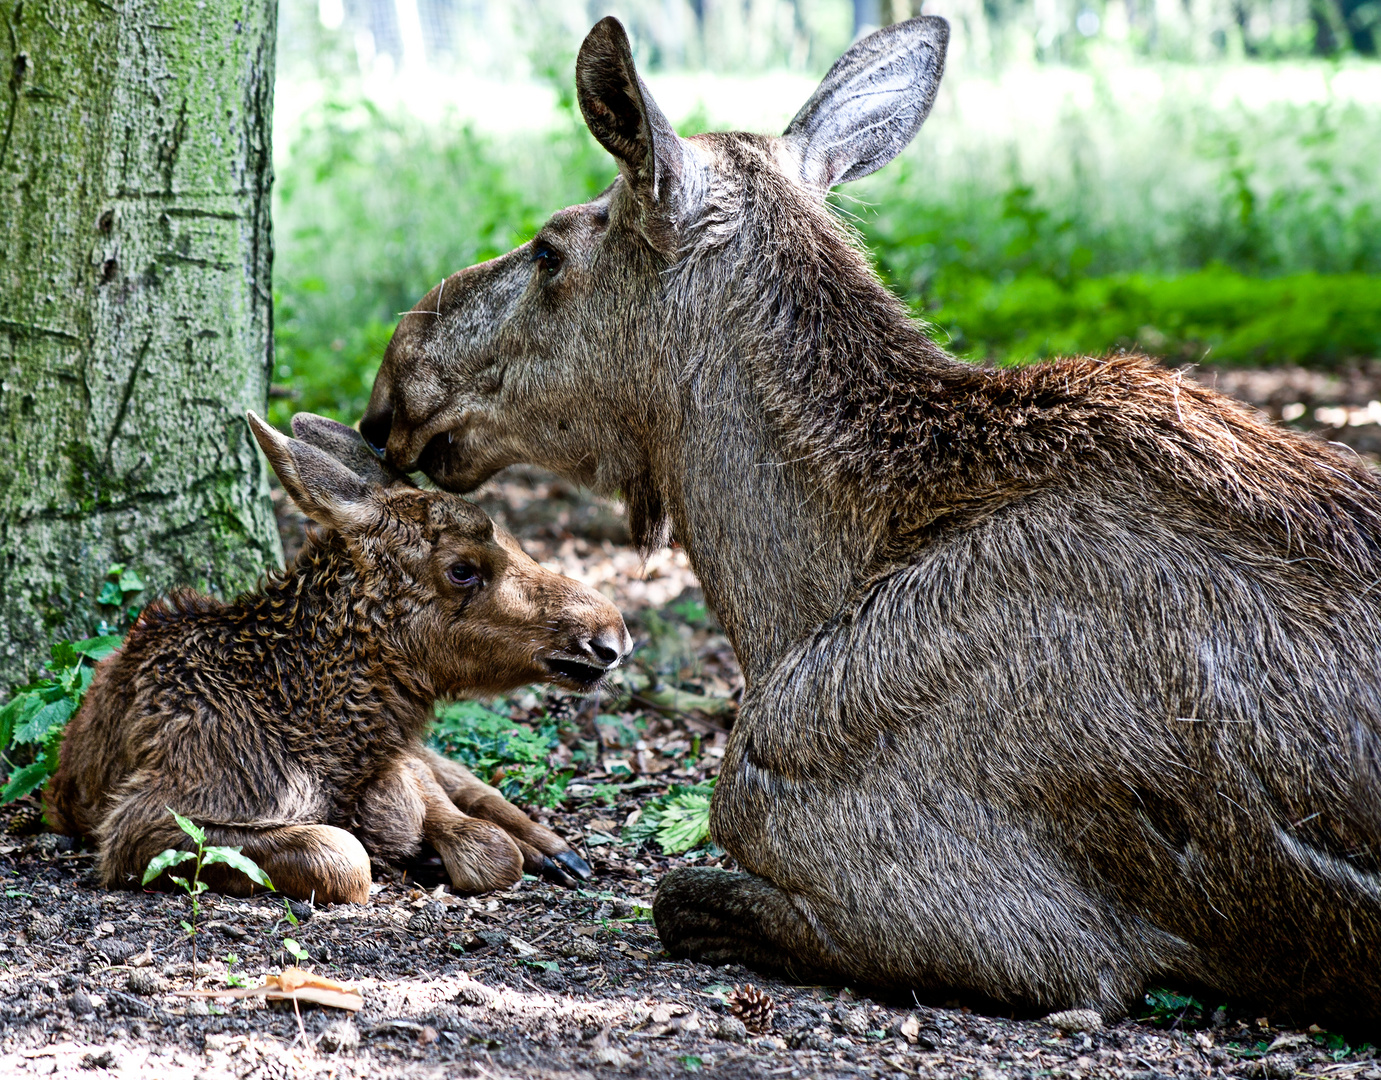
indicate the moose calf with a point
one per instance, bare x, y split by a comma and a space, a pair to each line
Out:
290, 722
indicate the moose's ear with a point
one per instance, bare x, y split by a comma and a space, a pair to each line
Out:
622, 116
328, 492
347, 446
871, 104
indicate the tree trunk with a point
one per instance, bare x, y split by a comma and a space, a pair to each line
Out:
136, 313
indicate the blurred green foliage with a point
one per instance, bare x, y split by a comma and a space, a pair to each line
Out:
1217, 314
374, 210
1172, 224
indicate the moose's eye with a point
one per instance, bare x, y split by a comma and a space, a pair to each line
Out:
547, 258
463, 575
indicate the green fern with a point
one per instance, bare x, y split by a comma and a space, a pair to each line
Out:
678, 821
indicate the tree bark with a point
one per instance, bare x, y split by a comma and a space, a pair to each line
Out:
136, 311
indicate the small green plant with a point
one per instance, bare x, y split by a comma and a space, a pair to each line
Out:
1168, 1007
203, 857
32, 722
678, 820
121, 583
511, 756
605, 794
297, 952
691, 1063
233, 978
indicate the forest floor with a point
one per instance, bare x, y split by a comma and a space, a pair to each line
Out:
544, 981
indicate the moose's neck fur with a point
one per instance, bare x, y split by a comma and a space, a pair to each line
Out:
310, 644
823, 437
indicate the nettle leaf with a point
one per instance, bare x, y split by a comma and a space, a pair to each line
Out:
49, 690
232, 858
110, 593
64, 656
130, 582
51, 716
97, 649
678, 820
22, 781
17, 712
188, 826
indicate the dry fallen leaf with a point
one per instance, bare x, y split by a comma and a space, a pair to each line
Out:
293, 985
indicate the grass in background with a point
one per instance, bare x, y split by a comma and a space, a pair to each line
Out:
1054, 212
1232, 234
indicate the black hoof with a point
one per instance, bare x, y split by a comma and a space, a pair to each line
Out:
556, 874
567, 868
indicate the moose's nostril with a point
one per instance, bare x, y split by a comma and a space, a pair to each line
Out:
375, 429
607, 648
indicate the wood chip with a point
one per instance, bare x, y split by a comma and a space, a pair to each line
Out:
293, 985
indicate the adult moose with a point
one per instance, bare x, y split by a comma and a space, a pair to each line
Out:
1060, 679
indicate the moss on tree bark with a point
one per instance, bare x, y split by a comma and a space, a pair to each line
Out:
135, 303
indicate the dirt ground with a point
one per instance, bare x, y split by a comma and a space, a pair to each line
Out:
544, 981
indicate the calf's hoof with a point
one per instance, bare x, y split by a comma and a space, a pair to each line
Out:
479, 857
311, 862
565, 868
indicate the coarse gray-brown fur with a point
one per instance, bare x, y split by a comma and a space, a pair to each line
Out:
291, 721
1060, 680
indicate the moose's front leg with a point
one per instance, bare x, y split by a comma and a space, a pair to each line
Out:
881, 852
407, 805
722, 918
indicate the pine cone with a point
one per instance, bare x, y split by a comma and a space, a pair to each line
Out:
428, 920
752, 1006
26, 820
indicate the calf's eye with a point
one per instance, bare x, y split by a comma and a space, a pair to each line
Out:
463, 575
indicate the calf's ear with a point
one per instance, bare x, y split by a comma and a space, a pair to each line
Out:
328, 492
871, 104
657, 166
347, 446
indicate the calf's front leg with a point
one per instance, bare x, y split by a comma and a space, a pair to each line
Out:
544, 852
407, 805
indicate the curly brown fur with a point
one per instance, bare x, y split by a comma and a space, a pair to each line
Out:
291, 721
1061, 680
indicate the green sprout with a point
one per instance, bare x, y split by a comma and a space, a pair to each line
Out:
203, 857
299, 954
